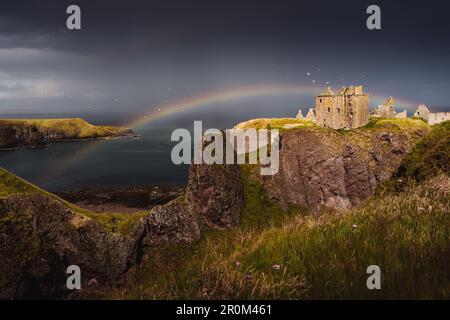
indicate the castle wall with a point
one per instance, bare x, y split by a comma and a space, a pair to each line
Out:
342, 111
438, 117
358, 111
324, 110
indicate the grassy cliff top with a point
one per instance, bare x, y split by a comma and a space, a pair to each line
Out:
69, 127
293, 123
11, 184
273, 123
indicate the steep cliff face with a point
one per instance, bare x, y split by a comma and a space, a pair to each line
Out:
214, 199
7, 138
216, 194
321, 167
40, 237
13, 136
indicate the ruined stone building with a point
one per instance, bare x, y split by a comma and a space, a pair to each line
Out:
431, 118
309, 116
347, 109
387, 110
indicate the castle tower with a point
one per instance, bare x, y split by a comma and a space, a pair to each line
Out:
347, 109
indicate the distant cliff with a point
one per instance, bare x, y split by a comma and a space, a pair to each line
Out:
17, 132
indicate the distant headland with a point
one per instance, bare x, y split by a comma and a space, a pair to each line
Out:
16, 133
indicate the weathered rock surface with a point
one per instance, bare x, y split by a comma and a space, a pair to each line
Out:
40, 238
216, 194
214, 199
174, 222
336, 170
13, 137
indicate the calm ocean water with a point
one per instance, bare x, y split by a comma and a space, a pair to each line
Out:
125, 162
99, 163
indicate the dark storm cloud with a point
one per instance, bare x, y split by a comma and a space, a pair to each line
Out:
144, 53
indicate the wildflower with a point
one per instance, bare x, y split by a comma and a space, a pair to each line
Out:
276, 267
92, 282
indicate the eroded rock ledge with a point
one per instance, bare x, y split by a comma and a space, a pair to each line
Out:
338, 170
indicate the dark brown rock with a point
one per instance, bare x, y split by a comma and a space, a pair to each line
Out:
174, 222
216, 194
40, 238
20, 136
321, 167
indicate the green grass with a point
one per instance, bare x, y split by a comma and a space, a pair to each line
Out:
74, 128
273, 123
320, 256
408, 123
429, 157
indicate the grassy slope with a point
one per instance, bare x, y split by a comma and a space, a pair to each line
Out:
322, 256
273, 123
10, 184
72, 127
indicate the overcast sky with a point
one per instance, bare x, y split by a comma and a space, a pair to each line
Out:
130, 55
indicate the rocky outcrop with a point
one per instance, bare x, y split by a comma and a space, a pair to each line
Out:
171, 223
214, 199
326, 168
7, 138
216, 194
40, 237
13, 137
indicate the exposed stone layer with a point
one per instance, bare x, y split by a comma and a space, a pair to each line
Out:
216, 194
40, 238
336, 170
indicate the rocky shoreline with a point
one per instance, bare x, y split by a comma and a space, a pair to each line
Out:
121, 200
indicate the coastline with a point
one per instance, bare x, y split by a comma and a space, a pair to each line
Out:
130, 136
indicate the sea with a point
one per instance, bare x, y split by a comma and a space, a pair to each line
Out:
127, 162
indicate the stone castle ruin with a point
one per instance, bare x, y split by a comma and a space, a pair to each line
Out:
431, 117
387, 110
349, 108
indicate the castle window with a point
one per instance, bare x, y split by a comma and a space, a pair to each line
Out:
320, 100
349, 104
339, 110
329, 109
